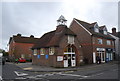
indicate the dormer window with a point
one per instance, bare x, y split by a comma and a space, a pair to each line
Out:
96, 28
105, 30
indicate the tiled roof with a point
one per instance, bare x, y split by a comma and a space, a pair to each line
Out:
52, 38
44, 40
21, 39
88, 27
117, 34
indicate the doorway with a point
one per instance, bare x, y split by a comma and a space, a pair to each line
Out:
69, 56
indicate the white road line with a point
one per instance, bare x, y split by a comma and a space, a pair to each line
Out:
50, 74
20, 73
20, 78
0, 78
74, 75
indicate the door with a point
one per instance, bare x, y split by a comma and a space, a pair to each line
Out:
73, 63
69, 55
65, 58
69, 59
102, 56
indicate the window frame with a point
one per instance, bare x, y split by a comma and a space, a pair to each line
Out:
42, 51
35, 52
108, 42
100, 41
51, 50
71, 41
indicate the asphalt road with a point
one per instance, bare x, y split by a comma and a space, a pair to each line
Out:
0, 68
107, 71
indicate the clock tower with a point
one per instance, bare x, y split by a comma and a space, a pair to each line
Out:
61, 20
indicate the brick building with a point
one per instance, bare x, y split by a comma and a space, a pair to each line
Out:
20, 46
58, 48
94, 40
116, 36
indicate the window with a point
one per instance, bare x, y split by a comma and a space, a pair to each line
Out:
22, 55
105, 32
51, 50
35, 52
42, 51
100, 41
96, 28
71, 39
108, 42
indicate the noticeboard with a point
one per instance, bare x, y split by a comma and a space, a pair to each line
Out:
38, 56
59, 58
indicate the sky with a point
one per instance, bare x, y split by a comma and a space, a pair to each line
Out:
38, 17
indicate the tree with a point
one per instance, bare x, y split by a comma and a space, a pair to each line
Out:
5, 53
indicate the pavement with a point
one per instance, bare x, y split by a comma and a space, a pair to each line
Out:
37, 68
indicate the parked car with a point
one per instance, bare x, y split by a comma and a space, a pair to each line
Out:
21, 60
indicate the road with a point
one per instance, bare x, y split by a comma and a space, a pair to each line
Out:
107, 71
0, 68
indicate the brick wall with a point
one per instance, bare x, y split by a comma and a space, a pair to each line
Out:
20, 48
84, 39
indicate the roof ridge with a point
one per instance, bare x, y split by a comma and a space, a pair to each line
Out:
82, 21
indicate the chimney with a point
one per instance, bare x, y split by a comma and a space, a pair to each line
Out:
113, 31
19, 35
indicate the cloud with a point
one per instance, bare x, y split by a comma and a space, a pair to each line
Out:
37, 18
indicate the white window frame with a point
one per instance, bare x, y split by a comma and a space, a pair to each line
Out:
96, 28
42, 51
105, 32
71, 39
108, 42
35, 52
100, 41
51, 51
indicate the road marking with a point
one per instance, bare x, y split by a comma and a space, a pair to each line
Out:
0, 78
49, 74
74, 75
20, 73
20, 78
29, 68
33, 77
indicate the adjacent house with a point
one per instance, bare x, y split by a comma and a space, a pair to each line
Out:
58, 48
20, 46
116, 36
94, 40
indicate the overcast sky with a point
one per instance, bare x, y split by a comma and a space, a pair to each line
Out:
37, 18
